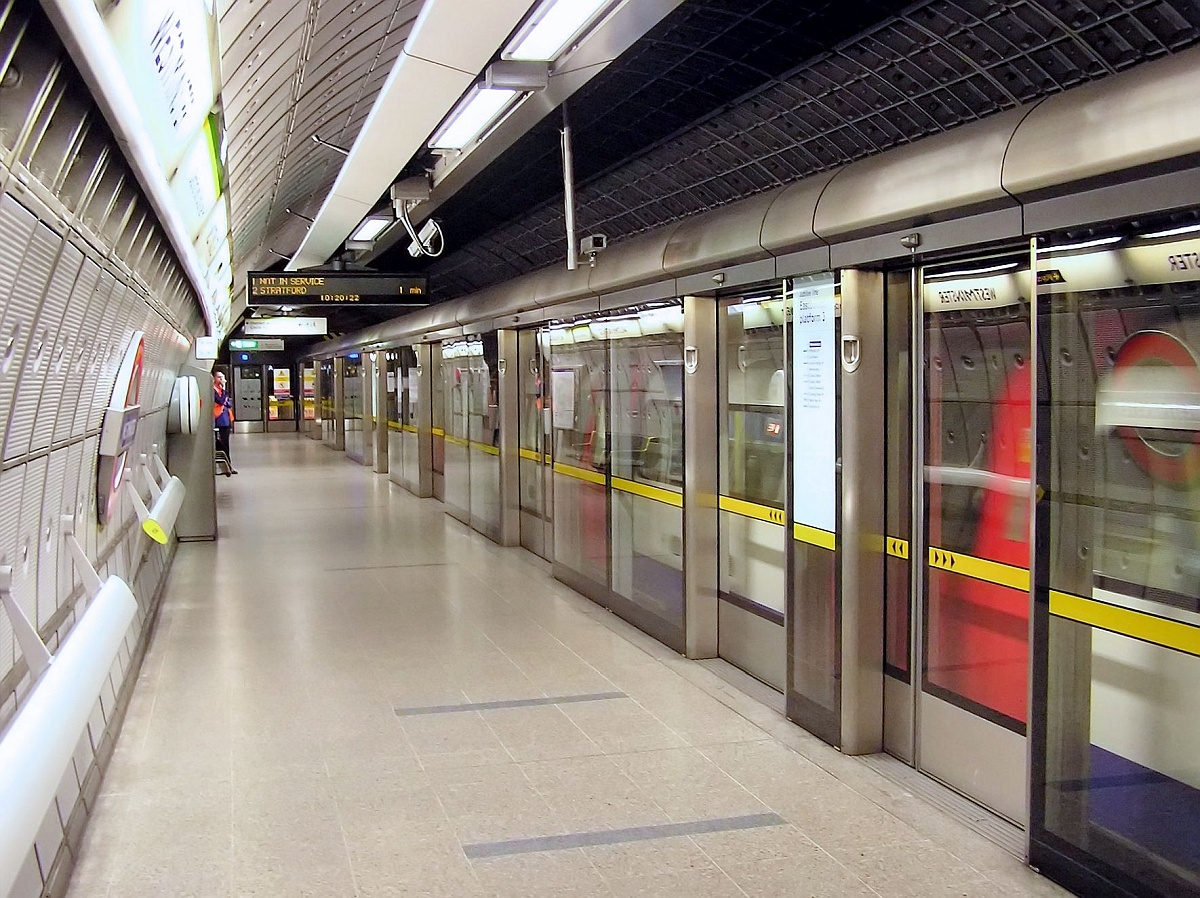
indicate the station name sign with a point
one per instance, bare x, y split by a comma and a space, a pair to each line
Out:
335, 288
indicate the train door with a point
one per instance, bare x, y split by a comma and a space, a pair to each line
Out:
533, 423
752, 531
958, 526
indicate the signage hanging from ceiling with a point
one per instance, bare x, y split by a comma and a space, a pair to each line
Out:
311, 288
286, 327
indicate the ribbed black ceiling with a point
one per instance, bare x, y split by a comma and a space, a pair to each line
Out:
726, 99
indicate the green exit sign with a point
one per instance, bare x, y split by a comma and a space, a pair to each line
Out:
273, 345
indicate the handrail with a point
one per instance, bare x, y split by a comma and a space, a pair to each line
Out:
41, 739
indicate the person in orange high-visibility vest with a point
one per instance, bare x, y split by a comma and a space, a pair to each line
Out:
222, 415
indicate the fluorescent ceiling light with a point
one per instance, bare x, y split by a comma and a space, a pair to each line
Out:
1173, 232
370, 228
481, 108
552, 29
1087, 244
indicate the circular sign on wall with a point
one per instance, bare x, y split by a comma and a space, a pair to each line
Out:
119, 430
1152, 400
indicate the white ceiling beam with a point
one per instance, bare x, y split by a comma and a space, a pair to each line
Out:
449, 46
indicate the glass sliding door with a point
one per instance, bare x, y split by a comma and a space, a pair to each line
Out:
579, 423
752, 421
408, 389
533, 424
646, 464
457, 374
483, 434
437, 382
1116, 782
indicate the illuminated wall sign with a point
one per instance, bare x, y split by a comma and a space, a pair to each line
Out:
119, 431
206, 347
335, 288
814, 401
286, 327
166, 49
196, 184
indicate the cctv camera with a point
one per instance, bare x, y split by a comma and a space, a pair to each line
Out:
592, 244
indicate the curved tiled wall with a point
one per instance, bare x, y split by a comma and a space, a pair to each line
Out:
83, 266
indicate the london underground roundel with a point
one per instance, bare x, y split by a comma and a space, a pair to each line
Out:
1153, 401
119, 431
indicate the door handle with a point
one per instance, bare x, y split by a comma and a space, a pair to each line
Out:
851, 353
691, 359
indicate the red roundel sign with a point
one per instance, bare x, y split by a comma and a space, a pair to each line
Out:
119, 431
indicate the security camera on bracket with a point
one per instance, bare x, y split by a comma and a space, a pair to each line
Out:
591, 246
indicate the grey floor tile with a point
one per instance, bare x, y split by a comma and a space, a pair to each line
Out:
262, 753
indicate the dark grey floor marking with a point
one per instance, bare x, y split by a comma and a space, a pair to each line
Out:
617, 836
390, 567
513, 703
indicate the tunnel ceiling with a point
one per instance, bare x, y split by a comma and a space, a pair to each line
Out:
291, 71
726, 98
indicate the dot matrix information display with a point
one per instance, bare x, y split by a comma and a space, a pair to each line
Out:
320, 288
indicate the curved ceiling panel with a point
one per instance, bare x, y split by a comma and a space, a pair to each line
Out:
290, 71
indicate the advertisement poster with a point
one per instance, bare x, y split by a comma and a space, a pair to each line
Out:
814, 401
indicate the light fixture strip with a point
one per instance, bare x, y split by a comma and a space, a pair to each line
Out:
553, 28
481, 108
370, 228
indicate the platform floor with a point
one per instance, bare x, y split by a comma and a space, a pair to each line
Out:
352, 694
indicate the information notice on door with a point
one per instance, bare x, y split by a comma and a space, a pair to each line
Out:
814, 401
562, 398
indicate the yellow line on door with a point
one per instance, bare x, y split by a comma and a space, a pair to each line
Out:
979, 568
752, 510
646, 491
814, 536
1169, 634
580, 473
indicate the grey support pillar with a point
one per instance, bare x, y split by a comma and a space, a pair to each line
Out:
863, 400
700, 478
510, 450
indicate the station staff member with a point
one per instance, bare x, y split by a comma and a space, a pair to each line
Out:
222, 415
